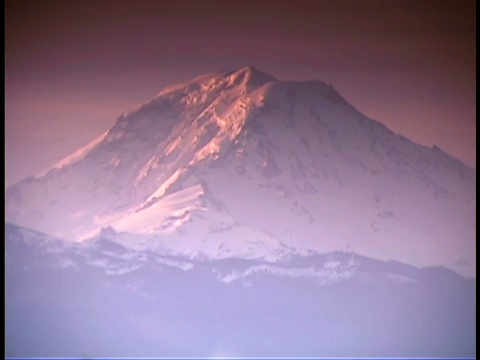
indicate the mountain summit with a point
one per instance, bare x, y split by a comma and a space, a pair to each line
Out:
240, 164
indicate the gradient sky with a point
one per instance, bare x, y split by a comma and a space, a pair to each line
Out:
72, 67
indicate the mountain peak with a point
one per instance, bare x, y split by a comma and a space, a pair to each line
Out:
247, 78
250, 77
212, 157
252, 72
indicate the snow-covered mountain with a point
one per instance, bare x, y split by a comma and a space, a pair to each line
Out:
101, 299
238, 164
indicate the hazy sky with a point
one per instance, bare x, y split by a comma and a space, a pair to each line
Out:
72, 67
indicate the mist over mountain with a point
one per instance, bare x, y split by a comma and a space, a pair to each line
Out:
240, 164
101, 299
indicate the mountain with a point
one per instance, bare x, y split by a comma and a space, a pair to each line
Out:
101, 299
238, 164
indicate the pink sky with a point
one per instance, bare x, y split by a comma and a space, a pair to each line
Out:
73, 66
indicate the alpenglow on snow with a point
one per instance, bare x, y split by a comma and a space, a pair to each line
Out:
238, 164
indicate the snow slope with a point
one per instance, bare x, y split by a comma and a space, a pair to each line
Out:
239, 164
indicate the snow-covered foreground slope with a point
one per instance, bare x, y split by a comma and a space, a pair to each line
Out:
100, 299
239, 164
